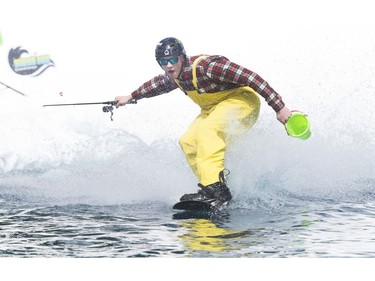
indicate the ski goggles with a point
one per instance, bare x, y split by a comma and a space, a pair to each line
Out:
173, 60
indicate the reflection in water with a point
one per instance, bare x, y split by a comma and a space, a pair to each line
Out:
213, 233
205, 234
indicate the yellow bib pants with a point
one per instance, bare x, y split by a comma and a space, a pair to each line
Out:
224, 115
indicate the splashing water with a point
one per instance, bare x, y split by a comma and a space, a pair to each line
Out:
78, 153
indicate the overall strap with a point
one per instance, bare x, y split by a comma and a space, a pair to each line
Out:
195, 71
194, 66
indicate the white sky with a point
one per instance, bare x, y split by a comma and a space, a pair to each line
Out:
112, 42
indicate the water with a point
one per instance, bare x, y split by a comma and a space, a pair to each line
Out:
148, 229
278, 223
75, 184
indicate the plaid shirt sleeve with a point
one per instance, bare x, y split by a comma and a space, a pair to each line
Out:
221, 69
158, 85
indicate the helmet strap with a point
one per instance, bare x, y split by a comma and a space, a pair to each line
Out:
182, 65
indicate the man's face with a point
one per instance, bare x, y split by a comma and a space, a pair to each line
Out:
172, 65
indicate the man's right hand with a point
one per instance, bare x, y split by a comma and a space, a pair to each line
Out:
122, 100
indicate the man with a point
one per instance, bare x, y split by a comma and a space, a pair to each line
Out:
228, 96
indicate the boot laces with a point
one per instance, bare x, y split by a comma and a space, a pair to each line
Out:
223, 175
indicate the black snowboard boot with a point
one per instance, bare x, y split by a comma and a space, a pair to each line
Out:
217, 194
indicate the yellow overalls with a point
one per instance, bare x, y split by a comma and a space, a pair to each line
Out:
223, 114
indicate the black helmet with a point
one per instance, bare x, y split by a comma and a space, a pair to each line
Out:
169, 47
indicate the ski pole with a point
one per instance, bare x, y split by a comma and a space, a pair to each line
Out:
9, 87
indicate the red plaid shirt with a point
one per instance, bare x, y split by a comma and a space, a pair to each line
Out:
214, 74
